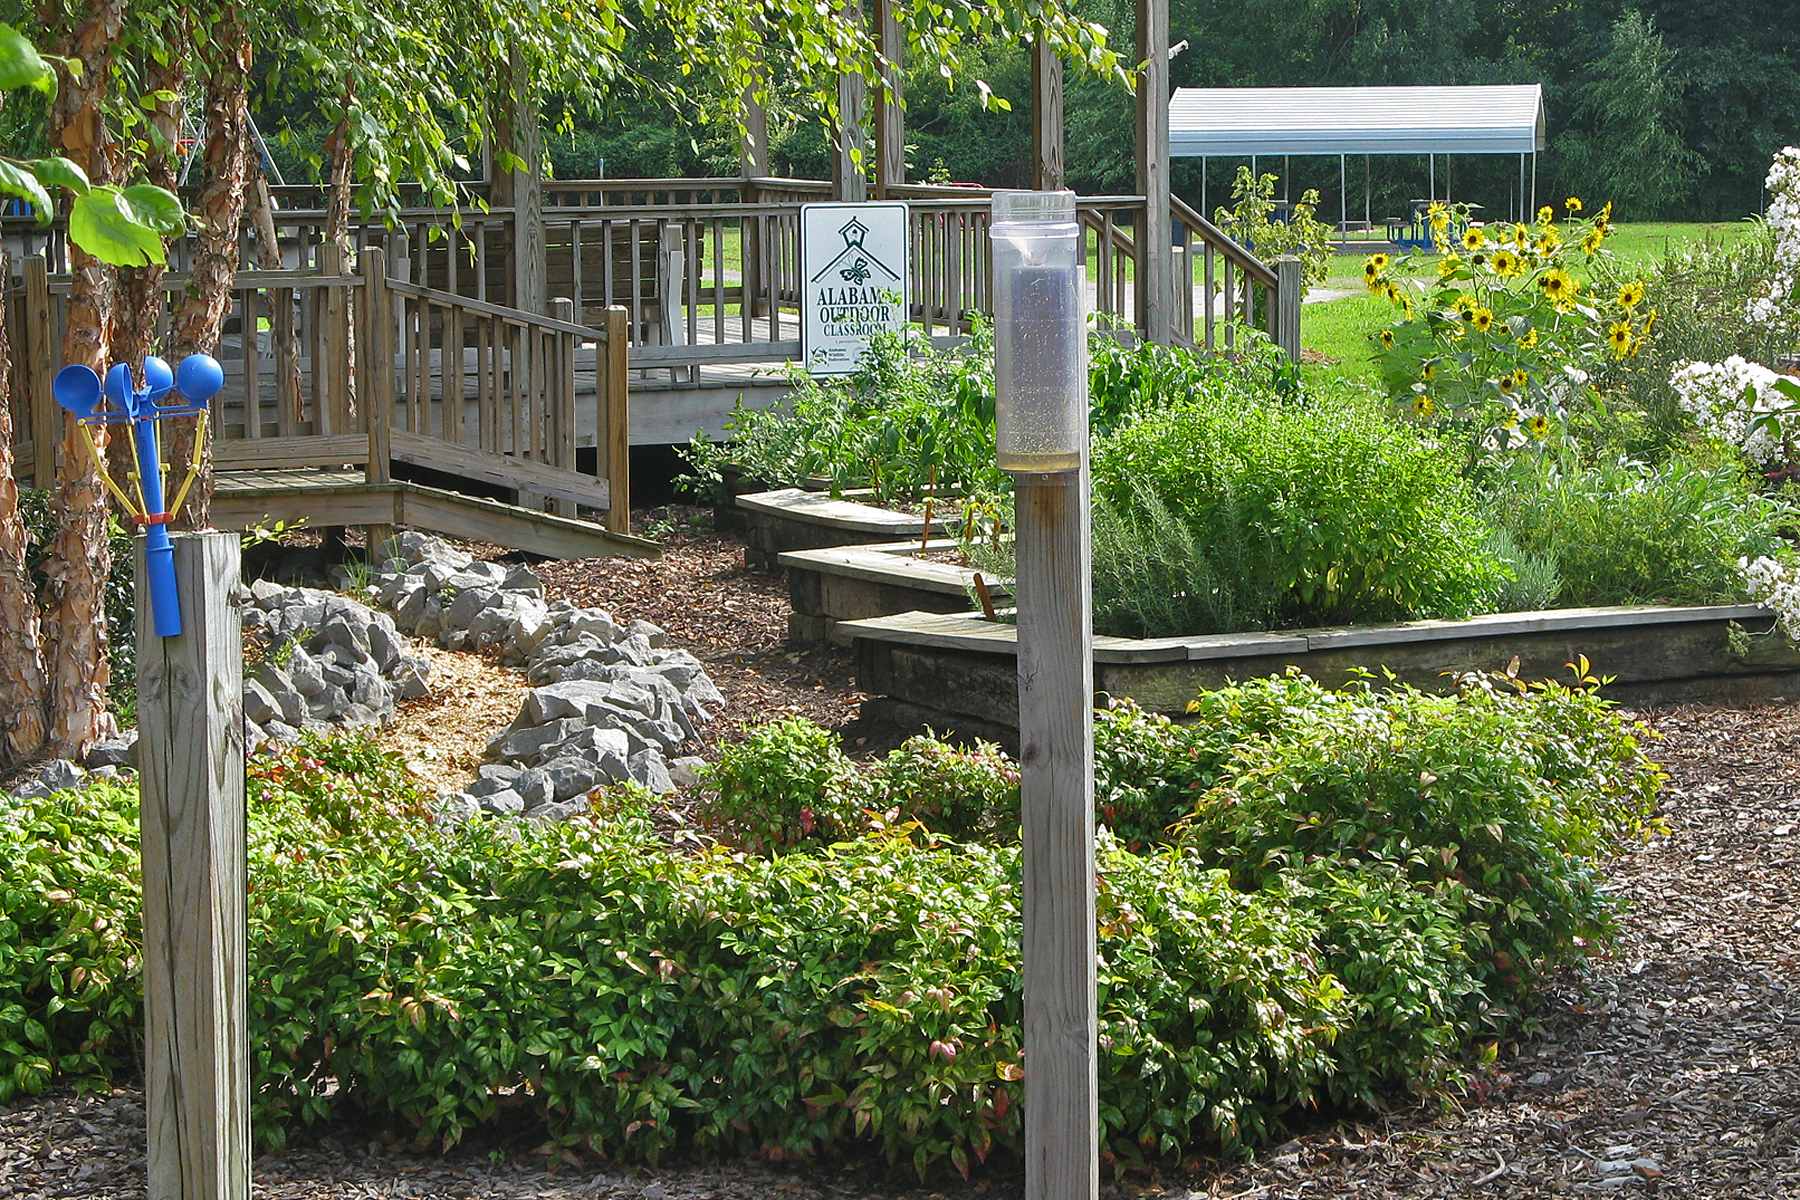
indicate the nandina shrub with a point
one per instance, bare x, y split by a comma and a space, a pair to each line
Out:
787, 784
962, 792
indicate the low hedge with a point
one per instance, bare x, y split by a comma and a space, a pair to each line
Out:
642, 1001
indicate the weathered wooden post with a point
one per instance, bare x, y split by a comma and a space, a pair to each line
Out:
1288, 286
191, 787
1040, 376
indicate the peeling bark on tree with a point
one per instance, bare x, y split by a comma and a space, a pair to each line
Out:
75, 628
201, 315
284, 338
22, 723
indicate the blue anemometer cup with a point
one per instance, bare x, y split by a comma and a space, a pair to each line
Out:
79, 390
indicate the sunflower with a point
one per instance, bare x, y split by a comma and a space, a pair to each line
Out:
1423, 405
1511, 419
1521, 236
1387, 339
1508, 265
1520, 377
1465, 305
1406, 308
1631, 295
1530, 339
1482, 319
1428, 372
1505, 383
1573, 204
1437, 210
1394, 297
1371, 276
1537, 426
1649, 322
1637, 344
1381, 261
1473, 238
1545, 215
1559, 289
1548, 241
1619, 338
1449, 264
1590, 242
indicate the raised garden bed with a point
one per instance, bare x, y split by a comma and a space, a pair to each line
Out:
849, 583
794, 519
960, 671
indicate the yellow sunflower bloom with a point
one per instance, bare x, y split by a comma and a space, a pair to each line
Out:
1637, 344
1537, 426
1473, 239
1521, 236
1590, 243
1428, 372
1649, 323
1423, 406
1507, 265
1387, 339
1449, 263
1631, 295
1381, 261
1530, 339
1573, 204
1505, 383
1482, 319
1546, 215
1511, 419
1406, 307
1548, 241
1393, 295
1371, 277
1521, 376
1465, 305
1619, 338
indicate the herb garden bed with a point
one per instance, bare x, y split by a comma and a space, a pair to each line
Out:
960, 671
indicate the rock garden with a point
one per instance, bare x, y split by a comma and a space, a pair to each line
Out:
581, 879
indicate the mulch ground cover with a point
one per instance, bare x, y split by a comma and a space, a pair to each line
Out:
1670, 1067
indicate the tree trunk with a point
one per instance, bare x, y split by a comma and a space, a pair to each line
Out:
75, 628
284, 339
201, 315
22, 725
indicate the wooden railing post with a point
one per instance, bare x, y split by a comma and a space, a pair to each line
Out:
614, 441
1284, 306
191, 766
378, 380
561, 389
45, 417
890, 114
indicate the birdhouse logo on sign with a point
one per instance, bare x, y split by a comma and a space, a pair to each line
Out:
853, 258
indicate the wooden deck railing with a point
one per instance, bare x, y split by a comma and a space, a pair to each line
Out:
473, 389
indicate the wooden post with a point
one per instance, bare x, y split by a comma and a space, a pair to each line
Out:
378, 382
1154, 255
522, 188
850, 157
1048, 172
332, 413
753, 164
1056, 760
45, 415
614, 441
191, 765
1286, 305
560, 388
890, 117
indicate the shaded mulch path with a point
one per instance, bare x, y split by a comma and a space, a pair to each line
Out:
1672, 1068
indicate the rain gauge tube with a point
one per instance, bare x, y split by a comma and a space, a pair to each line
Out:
1040, 338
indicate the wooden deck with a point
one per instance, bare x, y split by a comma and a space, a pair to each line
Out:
346, 496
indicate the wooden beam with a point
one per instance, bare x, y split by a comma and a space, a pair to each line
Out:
520, 186
191, 766
1048, 172
1056, 764
46, 417
890, 114
378, 383
1285, 308
1155, 258
850, 157
613, 437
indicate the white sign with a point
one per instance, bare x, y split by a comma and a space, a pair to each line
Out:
853, 280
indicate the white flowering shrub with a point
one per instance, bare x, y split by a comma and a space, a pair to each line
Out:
1779, 296
1743, 404
1775, 584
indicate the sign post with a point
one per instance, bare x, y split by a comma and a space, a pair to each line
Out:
853, 267
1041, 409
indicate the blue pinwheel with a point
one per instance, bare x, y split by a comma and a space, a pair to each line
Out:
198, 380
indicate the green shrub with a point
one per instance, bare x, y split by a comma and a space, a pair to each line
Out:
959, 792
1513, 796
1326, 513
788, 784
1630, 533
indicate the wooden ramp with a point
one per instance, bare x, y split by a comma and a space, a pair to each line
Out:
346, 496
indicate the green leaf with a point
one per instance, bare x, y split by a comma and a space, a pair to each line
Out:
21, 65
158, 208
105, 224
61, 173
17, 181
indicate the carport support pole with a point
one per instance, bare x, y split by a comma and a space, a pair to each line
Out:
191, 816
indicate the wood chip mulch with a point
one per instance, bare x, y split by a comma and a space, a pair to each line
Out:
1671, 1068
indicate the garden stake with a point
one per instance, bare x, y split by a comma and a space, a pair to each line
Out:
78, 389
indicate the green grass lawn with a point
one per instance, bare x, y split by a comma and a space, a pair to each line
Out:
1341, 329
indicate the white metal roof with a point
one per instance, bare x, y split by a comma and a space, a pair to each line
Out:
1356, 120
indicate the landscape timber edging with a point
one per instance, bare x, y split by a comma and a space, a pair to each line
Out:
848, 583
795, 519
960, 668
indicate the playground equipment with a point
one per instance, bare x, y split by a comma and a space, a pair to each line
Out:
78, 389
